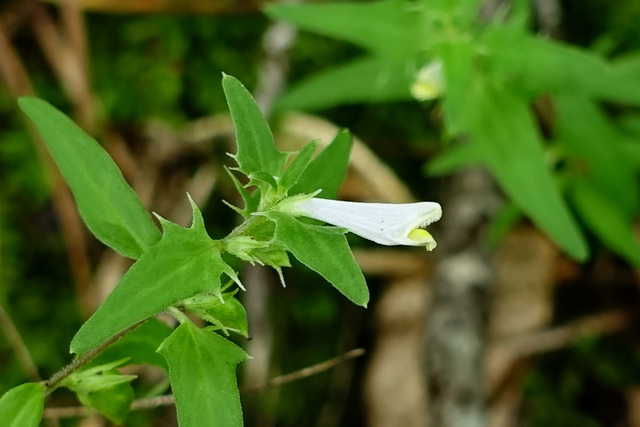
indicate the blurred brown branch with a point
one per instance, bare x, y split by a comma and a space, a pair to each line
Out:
165, 400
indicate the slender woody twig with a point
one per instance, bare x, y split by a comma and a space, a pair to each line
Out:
166, 400
17, 344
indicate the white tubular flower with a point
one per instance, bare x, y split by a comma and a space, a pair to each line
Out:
384, 223
429, 83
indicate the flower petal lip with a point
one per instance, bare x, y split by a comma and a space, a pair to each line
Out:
384, 223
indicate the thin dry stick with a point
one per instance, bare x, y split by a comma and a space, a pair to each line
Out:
166, 400
18, 346
17, 80
76, 38
11, 68
303, 373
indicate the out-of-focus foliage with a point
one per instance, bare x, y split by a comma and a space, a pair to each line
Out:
488, 88
169, 67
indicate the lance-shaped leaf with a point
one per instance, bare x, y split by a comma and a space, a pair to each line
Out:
369, 79
185, 262
551, 67
202, 368
107, 204
389, 26
453, 158
501, 125
324, 250
22, 406
587, 134
607, 221
298, 165
256, 148
327, 170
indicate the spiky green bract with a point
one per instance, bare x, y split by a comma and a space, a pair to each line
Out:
107, 204
202, 367
184, 263
22, 406
324, 250
104, 388
226, 313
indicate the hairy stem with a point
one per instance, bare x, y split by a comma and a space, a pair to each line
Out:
55, 381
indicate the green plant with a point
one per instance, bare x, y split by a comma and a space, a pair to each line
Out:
181, 270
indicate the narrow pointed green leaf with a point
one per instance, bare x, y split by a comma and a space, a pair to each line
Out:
453, 158
551, 67
107, 204
298, 165
22, 406
202, 368
327, 170
324, 250
589, 136
502, 126
607, 221
368, 79
185, 262
251, 201
459, 59
256, 148
389, 26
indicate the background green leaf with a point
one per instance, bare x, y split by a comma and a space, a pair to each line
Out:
107, 204
256, 148
22, 406
607, 221
508, 141
582, 129
391, 27
113, 402
324, 250
185, 262
327, 170
552, 67
139, 346
202, 368
369, 79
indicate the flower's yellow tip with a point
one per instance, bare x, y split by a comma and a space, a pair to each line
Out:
423, 236
425, 91
429, 83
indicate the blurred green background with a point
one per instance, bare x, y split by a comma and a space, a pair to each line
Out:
161, 69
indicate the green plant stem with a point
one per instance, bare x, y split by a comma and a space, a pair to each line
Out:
57, 378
